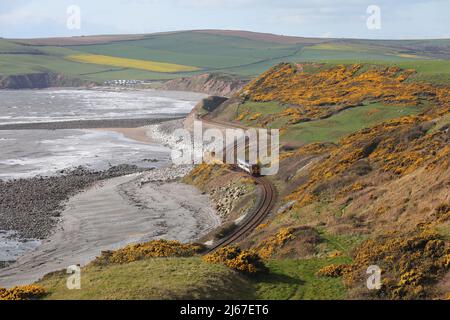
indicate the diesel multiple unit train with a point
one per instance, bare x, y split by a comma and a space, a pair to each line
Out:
253, 169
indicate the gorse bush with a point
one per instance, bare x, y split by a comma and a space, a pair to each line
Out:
411, 264
338, 86
333, 271
245, 261
152, 249
29, 292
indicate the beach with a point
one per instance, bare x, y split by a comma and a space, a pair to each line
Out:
111, 214
49, 222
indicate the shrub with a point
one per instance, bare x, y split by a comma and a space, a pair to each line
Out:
245, 261
333, 271
28, 292
411, 264
152, 249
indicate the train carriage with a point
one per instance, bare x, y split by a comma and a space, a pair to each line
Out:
253, 169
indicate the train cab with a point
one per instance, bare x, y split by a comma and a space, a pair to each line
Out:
252, 169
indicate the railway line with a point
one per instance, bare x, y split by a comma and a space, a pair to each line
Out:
262, 210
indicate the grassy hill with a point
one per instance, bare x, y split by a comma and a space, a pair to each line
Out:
364, 171
244, 54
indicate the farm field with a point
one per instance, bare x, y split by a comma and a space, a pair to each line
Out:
130, 63
243, 54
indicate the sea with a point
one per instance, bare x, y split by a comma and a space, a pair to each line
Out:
28, 153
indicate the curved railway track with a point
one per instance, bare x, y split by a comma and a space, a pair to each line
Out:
262, 210
256, 218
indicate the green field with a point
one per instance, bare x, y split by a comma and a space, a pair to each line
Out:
229, 53
346, 122
324, 130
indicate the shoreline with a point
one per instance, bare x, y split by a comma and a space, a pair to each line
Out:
93, 124
151, 204
114, 213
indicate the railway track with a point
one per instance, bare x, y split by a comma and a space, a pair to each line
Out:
255, 219
262, 210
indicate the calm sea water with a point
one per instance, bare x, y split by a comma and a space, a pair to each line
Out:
26, 153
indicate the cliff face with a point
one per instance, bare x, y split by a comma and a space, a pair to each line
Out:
212, 84
38, 81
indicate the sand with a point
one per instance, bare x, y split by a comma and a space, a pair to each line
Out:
110, 215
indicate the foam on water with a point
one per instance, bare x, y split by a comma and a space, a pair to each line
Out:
67, 105
45, 152
26, 153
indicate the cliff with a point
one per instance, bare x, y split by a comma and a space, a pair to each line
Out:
38, 81
212, 84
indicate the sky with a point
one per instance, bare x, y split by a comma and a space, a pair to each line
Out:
395, 19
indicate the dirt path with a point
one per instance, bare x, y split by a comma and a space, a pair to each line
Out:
111, 215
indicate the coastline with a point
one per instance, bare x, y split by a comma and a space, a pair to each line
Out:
111, 214
92, 124
106, 210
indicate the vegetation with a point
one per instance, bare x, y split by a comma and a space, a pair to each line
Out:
367, 186
297, 279
273, 115
130, 63
153, 279
233, 257
411, 264
336, 88
152, 249
363, 178
244, 56
28, 292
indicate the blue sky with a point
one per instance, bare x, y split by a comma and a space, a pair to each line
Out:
401, 19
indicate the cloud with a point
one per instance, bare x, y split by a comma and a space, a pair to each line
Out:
401, 18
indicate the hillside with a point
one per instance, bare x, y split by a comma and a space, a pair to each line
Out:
364, 173
171, 55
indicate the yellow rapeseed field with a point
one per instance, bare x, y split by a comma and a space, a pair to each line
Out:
130, 63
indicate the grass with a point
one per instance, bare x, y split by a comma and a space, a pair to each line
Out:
432, 71
193, 48
11, 47
444, 230
147, 65
324, 130
342, 242
24, 63
191, 278
345, 122
215, 53
153, 279
296, 279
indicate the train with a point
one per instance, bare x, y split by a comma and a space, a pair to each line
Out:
253, 169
